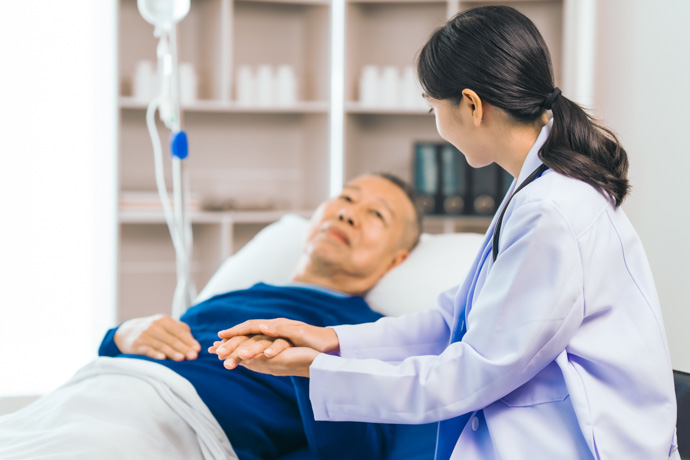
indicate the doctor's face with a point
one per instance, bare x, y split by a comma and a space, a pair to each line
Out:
364, 231
455, 124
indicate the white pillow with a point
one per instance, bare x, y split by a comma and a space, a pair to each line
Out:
436, 264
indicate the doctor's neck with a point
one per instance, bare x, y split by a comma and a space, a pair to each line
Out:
513, 141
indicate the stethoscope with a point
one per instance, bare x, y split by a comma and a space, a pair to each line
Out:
497, 232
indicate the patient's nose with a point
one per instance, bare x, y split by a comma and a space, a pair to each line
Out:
343, 216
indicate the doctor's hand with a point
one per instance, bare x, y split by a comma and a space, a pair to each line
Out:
292, 361
299, 334
243, 347
158, 337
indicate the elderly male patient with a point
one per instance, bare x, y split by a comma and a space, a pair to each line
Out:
353, 240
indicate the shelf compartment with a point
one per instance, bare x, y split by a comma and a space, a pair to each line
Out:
385, 143
386, 34
285, 33
198, 43
236, 155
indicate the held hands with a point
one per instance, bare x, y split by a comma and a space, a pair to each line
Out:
278, 346
158, 337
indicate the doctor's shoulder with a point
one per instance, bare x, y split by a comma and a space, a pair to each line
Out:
577, 202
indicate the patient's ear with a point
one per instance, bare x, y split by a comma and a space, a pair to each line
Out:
399, 258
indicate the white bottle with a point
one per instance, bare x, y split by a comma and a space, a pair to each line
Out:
390, 83
246, 86
265, 92
411, 92
286, 86
144, 83
369, 89
188, 83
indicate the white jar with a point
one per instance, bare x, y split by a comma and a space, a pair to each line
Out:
246, 83
411, 91
369, 86
188, 83
144, 83
390, 84
265, 92
286, 86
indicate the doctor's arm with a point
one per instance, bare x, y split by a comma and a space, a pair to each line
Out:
389, 339
526, 313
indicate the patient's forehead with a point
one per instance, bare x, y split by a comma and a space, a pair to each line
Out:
384, 191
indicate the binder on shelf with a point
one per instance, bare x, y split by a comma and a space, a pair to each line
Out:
454, 171
486, 189
426, 176
447, 185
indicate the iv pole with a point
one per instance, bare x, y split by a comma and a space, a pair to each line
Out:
163, 15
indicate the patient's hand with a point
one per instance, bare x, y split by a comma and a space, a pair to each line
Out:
299, 334
243, 347
157, 337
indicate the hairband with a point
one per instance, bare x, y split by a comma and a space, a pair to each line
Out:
548, 102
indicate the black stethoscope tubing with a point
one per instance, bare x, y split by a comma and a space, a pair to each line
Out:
497, 232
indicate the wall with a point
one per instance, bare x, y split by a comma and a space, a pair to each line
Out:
58, 190
641, 91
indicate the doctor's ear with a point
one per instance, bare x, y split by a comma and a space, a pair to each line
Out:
474, 104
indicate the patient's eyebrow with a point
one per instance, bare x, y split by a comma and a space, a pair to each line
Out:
383, 202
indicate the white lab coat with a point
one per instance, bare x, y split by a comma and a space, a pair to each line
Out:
565, 354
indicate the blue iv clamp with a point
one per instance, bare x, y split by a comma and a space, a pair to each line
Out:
179, 147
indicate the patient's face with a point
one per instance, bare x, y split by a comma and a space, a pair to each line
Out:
360, 233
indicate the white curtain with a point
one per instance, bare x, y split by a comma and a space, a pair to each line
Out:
58, 193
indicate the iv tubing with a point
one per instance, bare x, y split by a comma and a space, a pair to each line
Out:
181, 242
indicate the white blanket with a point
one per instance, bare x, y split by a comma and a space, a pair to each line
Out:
116, 408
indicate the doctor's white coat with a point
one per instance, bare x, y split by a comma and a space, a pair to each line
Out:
565, 354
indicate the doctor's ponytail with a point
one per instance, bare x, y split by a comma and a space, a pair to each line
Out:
498, 53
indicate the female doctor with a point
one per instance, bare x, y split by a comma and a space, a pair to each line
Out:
554, 345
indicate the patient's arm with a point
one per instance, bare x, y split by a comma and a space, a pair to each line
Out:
157, 337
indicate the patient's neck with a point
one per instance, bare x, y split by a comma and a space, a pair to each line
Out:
331, 278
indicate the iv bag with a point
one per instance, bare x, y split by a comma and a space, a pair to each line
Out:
163, 13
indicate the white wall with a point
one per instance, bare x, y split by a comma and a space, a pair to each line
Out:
58, 175
642, 91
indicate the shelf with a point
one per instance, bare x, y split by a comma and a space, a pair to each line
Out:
289, 2
357, 108
426, 2
208, 106
207, 217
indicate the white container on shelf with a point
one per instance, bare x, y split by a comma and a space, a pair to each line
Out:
410, 90
390, 87
246, 86
286, 86
144, 83
369, 86
188, 83
265, 94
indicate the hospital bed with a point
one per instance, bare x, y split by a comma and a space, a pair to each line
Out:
160, 413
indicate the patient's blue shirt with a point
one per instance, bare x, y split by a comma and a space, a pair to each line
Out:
266, 417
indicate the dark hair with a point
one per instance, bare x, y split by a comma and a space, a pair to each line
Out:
413, 196
498, 53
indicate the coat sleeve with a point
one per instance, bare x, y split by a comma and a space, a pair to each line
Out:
528, 309
397, 338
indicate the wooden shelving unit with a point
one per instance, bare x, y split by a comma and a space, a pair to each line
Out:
280, 156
